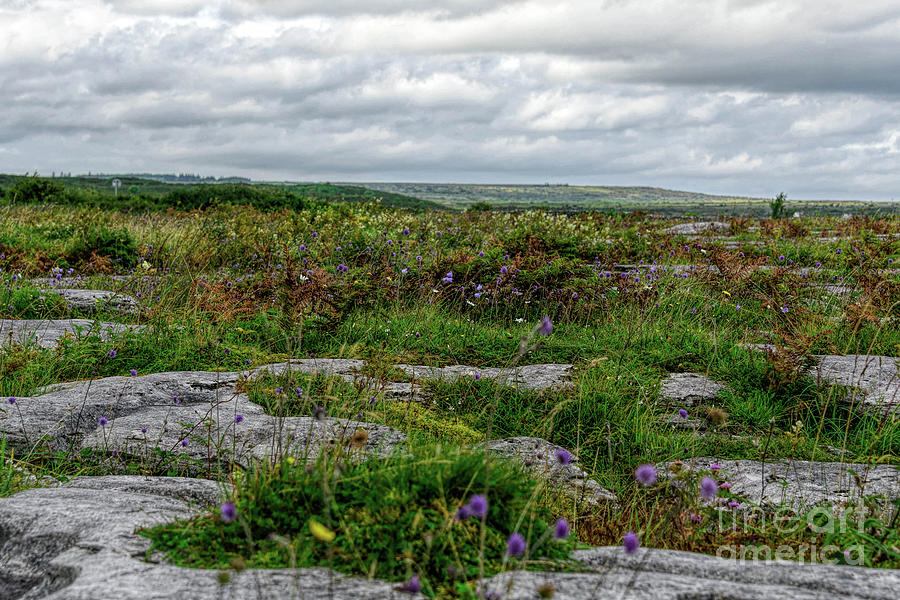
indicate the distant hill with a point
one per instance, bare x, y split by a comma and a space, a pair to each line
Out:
576, 198
186, 192
585, 197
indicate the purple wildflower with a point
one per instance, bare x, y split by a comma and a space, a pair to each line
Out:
561, 531
709, 489
515, 545
112, 353
504, 270
645, 474
563, 456
478, 505
228, 512
238, 418
413, 586
184, 443
12, 400
682, 413
630, 542
546, 326
463, 513
102, 421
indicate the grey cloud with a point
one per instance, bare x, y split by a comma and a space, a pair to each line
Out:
478, 91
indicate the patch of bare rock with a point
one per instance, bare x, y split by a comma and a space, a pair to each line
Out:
46, 333
199, 419
689, 389
553, 463
875, 377
89, 301
651, 574
799, 484
696, 228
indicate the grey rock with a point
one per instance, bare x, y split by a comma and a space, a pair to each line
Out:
651, 574
799, 484
540, 456
535, 377
46, 333
78, 542
95, 300
696, 228
194, 406
875, 377
676, 421
688, 389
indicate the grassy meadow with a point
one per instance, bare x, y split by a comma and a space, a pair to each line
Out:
226, 285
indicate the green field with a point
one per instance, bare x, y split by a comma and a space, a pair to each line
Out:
230, 276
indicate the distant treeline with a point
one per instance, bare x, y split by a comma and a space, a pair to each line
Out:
138, 193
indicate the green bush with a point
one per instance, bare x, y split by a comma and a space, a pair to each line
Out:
390, 518
114, 244
36, 190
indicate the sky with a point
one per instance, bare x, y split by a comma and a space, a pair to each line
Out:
739, 97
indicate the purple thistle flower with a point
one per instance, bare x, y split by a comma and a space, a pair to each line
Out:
734, 504
561, 531
645, 474
682, 413
133, 373
413, 586
504, 270
515, 545
715, 467
478, 505
102, 421
143, 430
546, 326
12, 400
463, 513
238, 418
709, 489
631, 542
228, 512
563, 456
184, 443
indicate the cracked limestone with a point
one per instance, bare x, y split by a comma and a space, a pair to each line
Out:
541, 457
876, 378
651, 574
47, 333
89, 301
799, 484
688, 389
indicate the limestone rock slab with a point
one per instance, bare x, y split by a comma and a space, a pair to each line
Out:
89, 301
696, 228
651, 574
875, 376
689, 389
46, 333
801, 484
541, 457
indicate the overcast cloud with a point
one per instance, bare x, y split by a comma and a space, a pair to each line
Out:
743, 96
